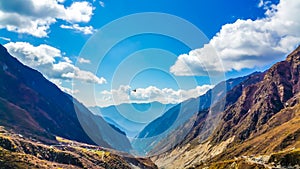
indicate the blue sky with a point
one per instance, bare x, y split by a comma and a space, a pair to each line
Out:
59, 38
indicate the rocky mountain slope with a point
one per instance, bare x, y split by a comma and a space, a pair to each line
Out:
175, 124
17, 151
34, 113
248, 122
260, 120
33, 106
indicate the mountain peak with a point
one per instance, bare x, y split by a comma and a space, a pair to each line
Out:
294, 56
261, 117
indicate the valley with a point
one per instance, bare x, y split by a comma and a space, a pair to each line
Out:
131, 84
246, 122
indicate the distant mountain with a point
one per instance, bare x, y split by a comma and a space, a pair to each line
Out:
258, 128
158, 131
133, 117
35, 107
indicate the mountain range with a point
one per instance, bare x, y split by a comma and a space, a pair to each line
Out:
131, 118
246, 122
35, 113
259, 126
158, 130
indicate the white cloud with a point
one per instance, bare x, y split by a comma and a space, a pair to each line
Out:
125, 94
102, 4
79, 12
6, 39
58, 83
265, 4
260, 4
85, 29
246, 43
192, 64
82, 60
50, 62
34, 17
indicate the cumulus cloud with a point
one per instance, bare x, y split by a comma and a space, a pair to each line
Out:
50, 62
58, 83
125, 94
35, 17
78, 12
82, 60
85, 29
102, 4
246, 43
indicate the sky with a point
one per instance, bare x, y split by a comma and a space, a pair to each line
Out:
121, 51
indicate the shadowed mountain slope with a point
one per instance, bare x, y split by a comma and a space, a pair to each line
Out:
33, 106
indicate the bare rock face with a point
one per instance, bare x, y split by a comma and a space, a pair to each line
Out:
261, 118
260, 102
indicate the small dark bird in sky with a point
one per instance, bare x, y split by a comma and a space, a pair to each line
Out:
134, 90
